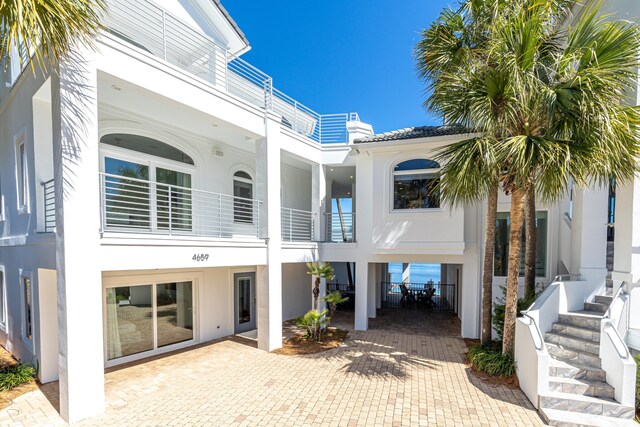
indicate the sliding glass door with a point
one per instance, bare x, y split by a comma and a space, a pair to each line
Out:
145, 318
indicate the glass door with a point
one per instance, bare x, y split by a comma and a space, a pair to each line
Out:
245, 302
145, 318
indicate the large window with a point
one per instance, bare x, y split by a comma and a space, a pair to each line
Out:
146, 193
416, 185
148, 317
242, 195
501, 257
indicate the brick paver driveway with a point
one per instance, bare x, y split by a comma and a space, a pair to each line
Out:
393, 374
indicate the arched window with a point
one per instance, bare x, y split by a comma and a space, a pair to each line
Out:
242, 195
416, 184
145, 145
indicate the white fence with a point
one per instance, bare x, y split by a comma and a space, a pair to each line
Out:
297, 225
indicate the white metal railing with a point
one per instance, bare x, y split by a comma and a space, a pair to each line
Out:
617, 361
49, 203
297, 225
340, 228
156, 31
131, 205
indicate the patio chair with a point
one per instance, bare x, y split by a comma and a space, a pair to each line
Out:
406, 295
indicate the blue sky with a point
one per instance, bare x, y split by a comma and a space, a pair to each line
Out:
339, 56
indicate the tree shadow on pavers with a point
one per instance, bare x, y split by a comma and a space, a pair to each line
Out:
504, 393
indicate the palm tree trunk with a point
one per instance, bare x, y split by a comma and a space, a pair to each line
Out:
513, 270
530, 242
316, 292
487, 272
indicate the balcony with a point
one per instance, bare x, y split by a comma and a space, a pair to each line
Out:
49, 204
153, 30
297, 225
136, 206
340, 228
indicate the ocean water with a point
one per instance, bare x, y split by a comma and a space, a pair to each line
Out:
420, 273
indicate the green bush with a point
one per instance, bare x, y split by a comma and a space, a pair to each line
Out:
499, 307
488, 358
14, 376
333, 299
314, 323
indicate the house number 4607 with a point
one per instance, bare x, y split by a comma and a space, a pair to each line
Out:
200, 257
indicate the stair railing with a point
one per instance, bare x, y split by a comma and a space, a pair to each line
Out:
614, 353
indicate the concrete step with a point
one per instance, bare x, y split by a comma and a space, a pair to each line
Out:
555, 417
576, 331
574, 356
582, 387
563, 369
586, 405
596, 306
573, 343
604, 299
587, 320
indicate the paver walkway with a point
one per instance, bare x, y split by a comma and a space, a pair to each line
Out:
391, 375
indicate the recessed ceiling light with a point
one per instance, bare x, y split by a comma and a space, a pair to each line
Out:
116, 87
351, 177
349, 192
215, 125
331, 169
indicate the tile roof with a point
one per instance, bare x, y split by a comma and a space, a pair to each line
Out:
413, 133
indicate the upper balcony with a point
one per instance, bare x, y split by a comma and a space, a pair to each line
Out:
151, 29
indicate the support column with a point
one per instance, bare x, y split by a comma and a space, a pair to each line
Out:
362, 296
269, 284
318, 201
371, 291
79, 291
589, 232
626, 253
469, 296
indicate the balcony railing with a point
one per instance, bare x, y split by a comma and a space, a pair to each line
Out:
297, 225
49, 203
150, 28
340, 228
131, 205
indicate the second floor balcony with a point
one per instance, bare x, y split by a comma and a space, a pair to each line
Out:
131, 205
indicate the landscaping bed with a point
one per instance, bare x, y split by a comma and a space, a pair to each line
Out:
298, 344
15, 379
510, 381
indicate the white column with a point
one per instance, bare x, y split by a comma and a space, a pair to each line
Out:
47, 333
362, 298
469, 289
318, 200
589, 233
269, 284
626, 255
371, 291
80, 337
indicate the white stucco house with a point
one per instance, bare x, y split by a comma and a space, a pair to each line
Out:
159, 192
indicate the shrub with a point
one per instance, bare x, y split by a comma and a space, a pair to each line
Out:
314, 323
333, 299
16, 375
488, 358
499, 307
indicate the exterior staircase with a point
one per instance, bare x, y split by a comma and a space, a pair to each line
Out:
578, 392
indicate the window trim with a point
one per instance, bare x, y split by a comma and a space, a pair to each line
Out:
3, 289
22, 174
394, 173
236, 204
26, 274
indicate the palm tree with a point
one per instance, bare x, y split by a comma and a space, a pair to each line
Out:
48, 28
470, 173
553, 101
530, 242
319, 270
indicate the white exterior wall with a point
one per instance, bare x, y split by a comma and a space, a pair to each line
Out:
296, 290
